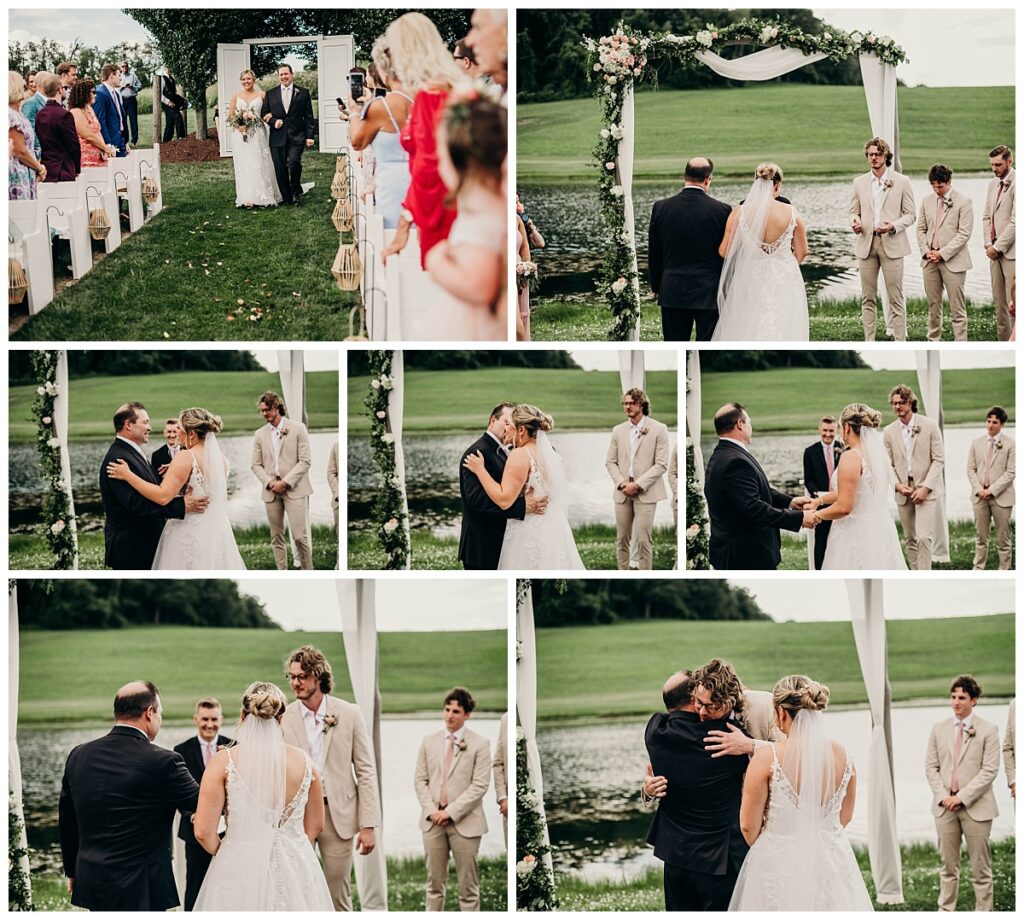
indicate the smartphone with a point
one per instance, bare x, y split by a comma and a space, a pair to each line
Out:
355, 82
341, 102
380, 91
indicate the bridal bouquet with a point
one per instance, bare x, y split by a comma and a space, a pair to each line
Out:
246, 121
527, 276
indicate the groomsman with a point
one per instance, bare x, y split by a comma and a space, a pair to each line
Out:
453, 773
917, 455
1000, 228
991, 468
961, 765
1010, 748
164, 454
820, 462
332, 481
197, 753
332, 731
943, 231
637, 461
882, 210
501, 773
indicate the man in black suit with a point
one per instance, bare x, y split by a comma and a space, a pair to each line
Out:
132, 524
483, 522
197, 753
174, 106
290, 116
164, 454
683, 261
117, 801
820, 460
746, 512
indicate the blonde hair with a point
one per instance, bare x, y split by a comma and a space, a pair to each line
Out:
382, 59
264, 701
859, 415
798, 691
207, 702
419, 55
200, 422
252, 73
770, 171
532, 419
15, 87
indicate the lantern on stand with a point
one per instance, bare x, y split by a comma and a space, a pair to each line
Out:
347, 268
343, 215
357, 312
17, 282
150, 190
99, 224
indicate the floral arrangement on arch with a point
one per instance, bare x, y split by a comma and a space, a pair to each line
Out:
389, 514
535, 886
59, 525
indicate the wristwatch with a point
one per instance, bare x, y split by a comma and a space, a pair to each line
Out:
407, 214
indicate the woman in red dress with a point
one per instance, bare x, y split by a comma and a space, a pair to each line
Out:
95, 150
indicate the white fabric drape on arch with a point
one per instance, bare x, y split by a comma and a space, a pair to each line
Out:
867, 614
693, 413
929, 382
396, 418
13, 757
60, 425
624, 171
291, 368
766, 64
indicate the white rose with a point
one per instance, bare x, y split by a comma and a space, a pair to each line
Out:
613, 80
616, 191
375, 383
617, 132
704, 38
619, 285
766, 34
47, 420
62, 486
386, 382
391, 526
609, 166
53, 443
524, 868
381, 414
856, 36
597, 68
388, 437
57, 527
827, 37
40, 391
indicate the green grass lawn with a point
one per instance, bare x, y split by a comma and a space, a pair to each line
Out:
595, 542
811, 131
451, 401
416, 668
617, 670
231, 395
575, 318
197, 270
30, 551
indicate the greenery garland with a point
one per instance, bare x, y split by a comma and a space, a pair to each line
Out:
698, 551
618, 61
389, 512
535, 884
19, 887
59, 525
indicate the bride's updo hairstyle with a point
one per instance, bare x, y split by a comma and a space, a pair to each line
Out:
798, 691
532, 419
770, 171
200, 422
858, 415
263, 701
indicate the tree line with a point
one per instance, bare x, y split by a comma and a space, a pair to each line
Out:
436, 360
46, 54
766, 360
128, 363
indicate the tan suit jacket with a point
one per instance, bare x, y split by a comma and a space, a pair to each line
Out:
1006, 221
897, 209
469, 778
500, 756
332, 474
1001, 474
978, 767
953, 232
649, 465
927, 456
294, 459
761, 717
1009, 745
350, 770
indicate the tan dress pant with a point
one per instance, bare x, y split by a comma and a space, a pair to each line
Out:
936, 277
985, 512
633, 523
1002, 271
438, 842
892, 272
951, 825
918, 521
295, 508
336, 856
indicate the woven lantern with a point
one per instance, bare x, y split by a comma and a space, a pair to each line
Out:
339, 187
150, 190
347, 268
341, 167
99, 224
343, 215
357, 312
17, 282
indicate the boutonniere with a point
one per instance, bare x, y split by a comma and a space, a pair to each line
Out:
329, 723
999, 445
916, 429
461, 745
970, 731
887, 184
948, 201
641, 431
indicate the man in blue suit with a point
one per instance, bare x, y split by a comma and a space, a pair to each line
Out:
109, 109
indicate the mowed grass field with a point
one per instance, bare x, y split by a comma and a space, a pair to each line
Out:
449, 401
617, 670
232, 395
416, 668
811, 131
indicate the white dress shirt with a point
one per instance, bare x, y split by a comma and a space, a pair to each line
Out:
205, 745
277, 437
877, 191
636, 430
908, 441
736, 441
314, 724
140, 453
286, 97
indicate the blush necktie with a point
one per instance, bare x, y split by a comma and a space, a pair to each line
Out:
988, 461
207, 755
830, 463
940, 211
958, 747
449, 751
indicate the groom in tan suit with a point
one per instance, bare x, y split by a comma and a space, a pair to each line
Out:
881, 212
334, 734
991, 469
916, 452
453, 774
943, 231
999, 228
637, 461
961, 765
280, 461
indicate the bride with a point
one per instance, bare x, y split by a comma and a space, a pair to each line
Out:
274, 803
539, 541
864, 534
255, 181
798, 798
761, 294
198, 541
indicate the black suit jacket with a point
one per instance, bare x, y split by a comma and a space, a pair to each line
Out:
192, 754
697, 824
815, 472
746, 512
483, 522
161, 457
299, 125
117, 801
683, 261
132, 524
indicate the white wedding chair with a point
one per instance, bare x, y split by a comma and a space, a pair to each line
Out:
100, 192
418, 310
32, 249
128, 182
149, 167
67, 215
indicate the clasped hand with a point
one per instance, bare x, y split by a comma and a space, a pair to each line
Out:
800, 503
440, 818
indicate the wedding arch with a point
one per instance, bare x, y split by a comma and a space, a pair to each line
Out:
617, 62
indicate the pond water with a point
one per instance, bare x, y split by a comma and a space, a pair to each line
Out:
43, 753
432, 464
782, 456
245, 505
568, 218
592, 778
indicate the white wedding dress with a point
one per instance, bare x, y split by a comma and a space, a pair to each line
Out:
255, 180
202, 541
542, 541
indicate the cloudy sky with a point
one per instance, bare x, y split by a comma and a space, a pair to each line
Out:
316, 359
890, 360
608, 360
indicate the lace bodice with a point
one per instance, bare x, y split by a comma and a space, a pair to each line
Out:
197, 480
783, 800
253, 105
289, 823
783, 244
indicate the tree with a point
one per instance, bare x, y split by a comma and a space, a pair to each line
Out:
358, 363
125, 363
764, 360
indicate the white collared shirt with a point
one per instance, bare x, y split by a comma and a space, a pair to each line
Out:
314, 724
908, 440
286, 97
277, 433
877, 191
459, 735
735, 441
967, 724
203, 744
497, 440
137, 449
636, 430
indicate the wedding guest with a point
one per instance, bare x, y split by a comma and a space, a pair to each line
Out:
522, 283
334, 734
1010, 748
280, 461
332, 482
95, 150
55, 128
991, 469
164, 454
68, 74
30, 81
451, 788
820, 461
943, 231
501, 772
131, 86
917, 455
488, 40
197, 752
23, 167
109, 109
999, 229
961, 764
637, 462
420, 60
465, 58
31, 106
673, 484
533, 234
173, 105
882, 210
